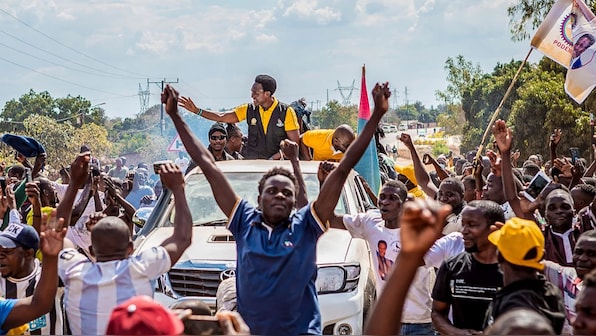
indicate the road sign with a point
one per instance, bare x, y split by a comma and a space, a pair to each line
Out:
176, 145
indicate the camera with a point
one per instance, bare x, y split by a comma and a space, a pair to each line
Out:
157, 165
95, 170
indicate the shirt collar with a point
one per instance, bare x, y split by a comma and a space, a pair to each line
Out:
271, 108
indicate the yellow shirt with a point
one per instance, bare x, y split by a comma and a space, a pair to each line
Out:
408, 171
44, 210
321, 143
290, 124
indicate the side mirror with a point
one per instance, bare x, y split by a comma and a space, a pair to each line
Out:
140, 217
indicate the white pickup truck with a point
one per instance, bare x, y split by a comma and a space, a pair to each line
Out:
345, 281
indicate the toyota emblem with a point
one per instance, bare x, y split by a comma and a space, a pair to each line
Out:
228, 273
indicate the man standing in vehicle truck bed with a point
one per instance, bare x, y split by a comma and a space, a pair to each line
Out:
276, 267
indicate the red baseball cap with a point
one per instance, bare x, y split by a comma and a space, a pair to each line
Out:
143, 316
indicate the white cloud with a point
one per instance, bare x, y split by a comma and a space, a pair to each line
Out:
266, 38
310, 10
65, 16
156, 42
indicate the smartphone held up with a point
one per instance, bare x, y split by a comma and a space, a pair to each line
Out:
538, 183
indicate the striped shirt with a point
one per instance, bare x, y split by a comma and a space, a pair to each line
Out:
48, 324
92, 290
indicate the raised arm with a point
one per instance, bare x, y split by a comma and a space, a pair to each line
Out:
331, 189
419, 171
441, 172
40, 161
290, 151
504, 139
30, 308
79, 170
33, 194
222, 190
181, 237
554, 139
421, 224
225, 117
81, 205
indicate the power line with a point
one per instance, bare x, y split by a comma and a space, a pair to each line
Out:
70, 61
187, 84
104, 74
68, 47
57, 78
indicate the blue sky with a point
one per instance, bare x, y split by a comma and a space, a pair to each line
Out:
102, 50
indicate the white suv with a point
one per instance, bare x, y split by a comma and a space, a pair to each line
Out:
345, 280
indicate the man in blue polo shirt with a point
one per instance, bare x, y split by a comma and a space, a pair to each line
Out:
276, 267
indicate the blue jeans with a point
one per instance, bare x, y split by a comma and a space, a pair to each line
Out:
417, 329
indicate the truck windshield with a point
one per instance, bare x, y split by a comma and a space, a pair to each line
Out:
205, 211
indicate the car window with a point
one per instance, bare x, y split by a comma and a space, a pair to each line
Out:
204, 209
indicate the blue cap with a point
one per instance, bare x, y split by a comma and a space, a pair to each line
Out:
25, 145
17, 234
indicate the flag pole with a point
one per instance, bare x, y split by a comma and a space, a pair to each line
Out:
498, 110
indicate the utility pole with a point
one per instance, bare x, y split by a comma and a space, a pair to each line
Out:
163, 83
406, 96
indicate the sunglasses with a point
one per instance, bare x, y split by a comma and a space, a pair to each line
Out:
215, 137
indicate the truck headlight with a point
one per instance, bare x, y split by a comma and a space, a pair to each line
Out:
337, 278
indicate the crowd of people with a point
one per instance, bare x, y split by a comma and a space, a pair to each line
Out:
460, 250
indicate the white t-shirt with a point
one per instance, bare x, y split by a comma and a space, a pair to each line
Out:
385, 245
453, 224
78, 233
182, 163
444, 248
93, 290
507, 210
48, 324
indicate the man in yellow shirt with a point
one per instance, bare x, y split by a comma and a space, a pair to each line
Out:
269, 121
327, 144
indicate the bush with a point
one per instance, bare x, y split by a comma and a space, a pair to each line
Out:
440, 147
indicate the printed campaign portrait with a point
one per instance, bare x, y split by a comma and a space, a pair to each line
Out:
581, 74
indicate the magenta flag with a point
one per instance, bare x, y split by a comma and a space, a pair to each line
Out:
368, 166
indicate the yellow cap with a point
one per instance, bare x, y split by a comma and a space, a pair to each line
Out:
408, 171
516, 238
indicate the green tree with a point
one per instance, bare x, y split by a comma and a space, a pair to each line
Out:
526, 15
460, 75
543, 106
55, 137
334, 114
452, 119
96, 136
407, 112
66, 110
62, 141
481, 98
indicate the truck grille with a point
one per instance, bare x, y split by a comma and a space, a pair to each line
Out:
194, 282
